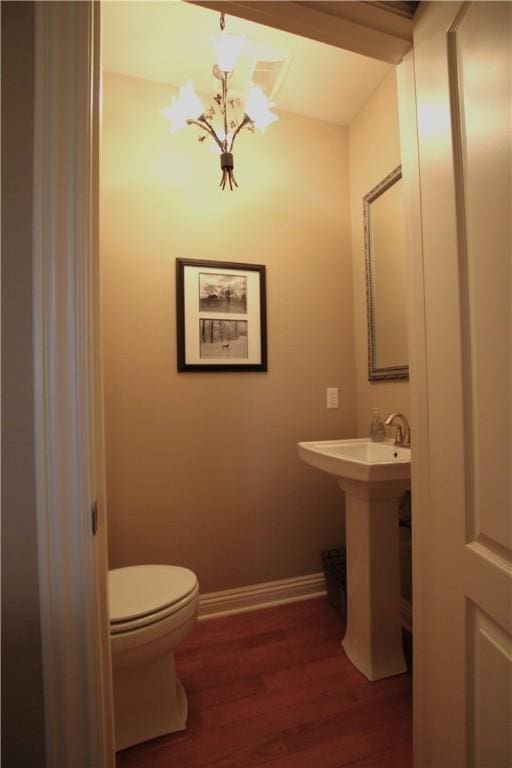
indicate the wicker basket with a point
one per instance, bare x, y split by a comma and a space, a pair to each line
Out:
334, 564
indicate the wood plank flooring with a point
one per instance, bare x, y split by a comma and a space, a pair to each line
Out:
274, 688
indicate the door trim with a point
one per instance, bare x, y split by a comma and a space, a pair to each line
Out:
74, 640
366, 28
78, 708
418, 394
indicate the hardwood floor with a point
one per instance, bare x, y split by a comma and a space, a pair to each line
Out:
274, 688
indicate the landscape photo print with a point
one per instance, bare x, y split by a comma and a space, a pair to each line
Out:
223, 339
222, 293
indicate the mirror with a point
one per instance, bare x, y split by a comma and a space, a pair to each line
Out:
384, 236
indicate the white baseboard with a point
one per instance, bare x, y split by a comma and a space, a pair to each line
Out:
254, 596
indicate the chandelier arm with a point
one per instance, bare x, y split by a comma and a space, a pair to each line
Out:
203, 123
225, 108
227, 177
244, 122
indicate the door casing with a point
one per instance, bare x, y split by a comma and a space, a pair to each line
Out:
68, 382
67, 371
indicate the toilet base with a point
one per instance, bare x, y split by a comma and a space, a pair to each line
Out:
149, 701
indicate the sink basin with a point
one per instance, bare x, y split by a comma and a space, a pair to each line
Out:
359, 459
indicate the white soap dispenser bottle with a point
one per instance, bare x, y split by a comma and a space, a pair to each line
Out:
377, 428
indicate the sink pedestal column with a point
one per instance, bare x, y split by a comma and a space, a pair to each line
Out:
373, 638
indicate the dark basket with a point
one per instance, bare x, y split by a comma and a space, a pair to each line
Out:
334, 563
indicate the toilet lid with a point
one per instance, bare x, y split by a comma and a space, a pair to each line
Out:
141, 590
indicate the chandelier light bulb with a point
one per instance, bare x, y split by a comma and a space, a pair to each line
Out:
192, 105
184, 108
174, 115
258, 107
227, 50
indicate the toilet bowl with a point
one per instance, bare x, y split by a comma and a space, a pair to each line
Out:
152, 608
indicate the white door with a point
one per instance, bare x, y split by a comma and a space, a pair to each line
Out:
462, 447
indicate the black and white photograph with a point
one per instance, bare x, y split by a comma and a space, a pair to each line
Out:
221, 319
223, 293
223, 338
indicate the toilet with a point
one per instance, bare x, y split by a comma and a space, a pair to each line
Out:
152, 609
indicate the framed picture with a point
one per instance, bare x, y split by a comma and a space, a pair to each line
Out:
221, 316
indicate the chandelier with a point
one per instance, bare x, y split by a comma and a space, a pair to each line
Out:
223, 119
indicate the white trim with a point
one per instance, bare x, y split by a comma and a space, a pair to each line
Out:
255, 596
359, 27
213, 605
419, 399
78, 730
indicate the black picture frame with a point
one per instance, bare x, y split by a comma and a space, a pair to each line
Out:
221, 316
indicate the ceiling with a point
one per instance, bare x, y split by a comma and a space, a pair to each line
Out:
168, 42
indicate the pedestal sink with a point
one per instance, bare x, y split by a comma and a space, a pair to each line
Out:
373, 477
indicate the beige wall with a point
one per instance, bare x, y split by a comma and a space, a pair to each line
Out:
202, 467
374, 152
22, 692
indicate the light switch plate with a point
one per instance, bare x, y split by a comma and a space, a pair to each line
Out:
333, 397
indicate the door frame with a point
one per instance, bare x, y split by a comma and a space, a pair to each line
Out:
71, 560
418, 397
67, 360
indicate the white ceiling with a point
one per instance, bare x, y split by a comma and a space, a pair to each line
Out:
168, 42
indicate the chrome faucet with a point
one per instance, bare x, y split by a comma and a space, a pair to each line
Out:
403, 430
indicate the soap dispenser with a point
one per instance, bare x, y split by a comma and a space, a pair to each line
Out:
377, 428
